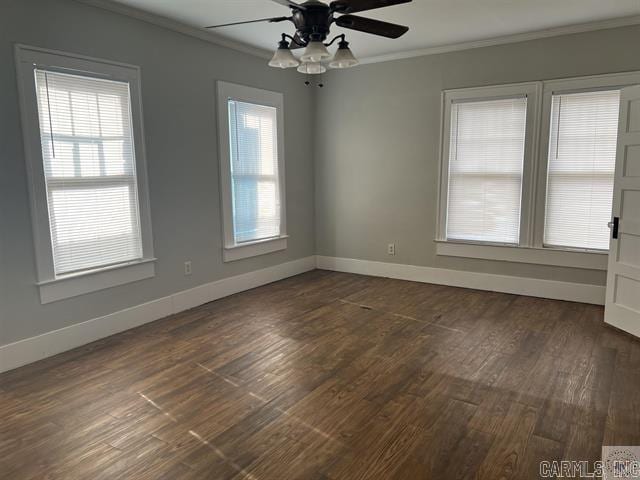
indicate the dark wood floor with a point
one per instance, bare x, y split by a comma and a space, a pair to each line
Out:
330, 376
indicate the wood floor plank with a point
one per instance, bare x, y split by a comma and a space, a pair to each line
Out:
330, 376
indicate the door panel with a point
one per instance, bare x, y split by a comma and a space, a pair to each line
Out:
622, 307
632, 161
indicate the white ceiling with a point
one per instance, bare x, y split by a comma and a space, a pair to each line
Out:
432, 22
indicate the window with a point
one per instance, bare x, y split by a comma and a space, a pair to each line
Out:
252, 170
485, 190
485, 170
89, 171
81, 122
527, 171
580, 172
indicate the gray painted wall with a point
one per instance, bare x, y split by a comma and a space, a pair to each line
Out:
178, 88
376, 148
378, 140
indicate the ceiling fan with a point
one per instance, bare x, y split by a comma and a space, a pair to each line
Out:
313, 20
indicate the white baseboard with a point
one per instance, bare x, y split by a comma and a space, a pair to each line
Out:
533, 287
48, 344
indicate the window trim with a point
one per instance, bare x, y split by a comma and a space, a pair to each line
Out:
564, 86
57, 287
531, 248
530, 90
73, 285
522, 254
231, 250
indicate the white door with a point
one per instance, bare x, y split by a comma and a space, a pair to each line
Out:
622, 307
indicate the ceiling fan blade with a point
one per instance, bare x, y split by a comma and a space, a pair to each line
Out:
289, 3
297, 42
368, 25
270, 20
353, 6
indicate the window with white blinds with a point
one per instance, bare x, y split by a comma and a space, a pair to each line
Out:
253, 140
89, 169
580, 172
486, 151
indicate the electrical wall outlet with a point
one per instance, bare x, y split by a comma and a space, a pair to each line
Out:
391, 249
187, 267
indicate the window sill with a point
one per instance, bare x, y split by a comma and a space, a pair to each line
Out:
92, 281
541, 256
253, 249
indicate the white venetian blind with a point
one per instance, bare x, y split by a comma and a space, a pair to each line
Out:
582, 155
254, 171
89, 169
485, 170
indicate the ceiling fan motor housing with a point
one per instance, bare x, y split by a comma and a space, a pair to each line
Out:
314, 22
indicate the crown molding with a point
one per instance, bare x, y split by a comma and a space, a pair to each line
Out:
185, 29
176, 26
503, 40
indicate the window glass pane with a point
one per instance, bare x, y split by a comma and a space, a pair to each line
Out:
254, 171
582, 155
89, 165
107, 234
485, 170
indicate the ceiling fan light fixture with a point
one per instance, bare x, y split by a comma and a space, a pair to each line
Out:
344, 57
315, 52
312, 68
283, 58
313, 20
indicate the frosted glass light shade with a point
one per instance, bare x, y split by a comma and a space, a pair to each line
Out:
283, 58
311, 68
315, 52
343, 58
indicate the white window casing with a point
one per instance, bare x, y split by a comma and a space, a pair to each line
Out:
82, 126
494, 159
251, 138
565, 87
542, 205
